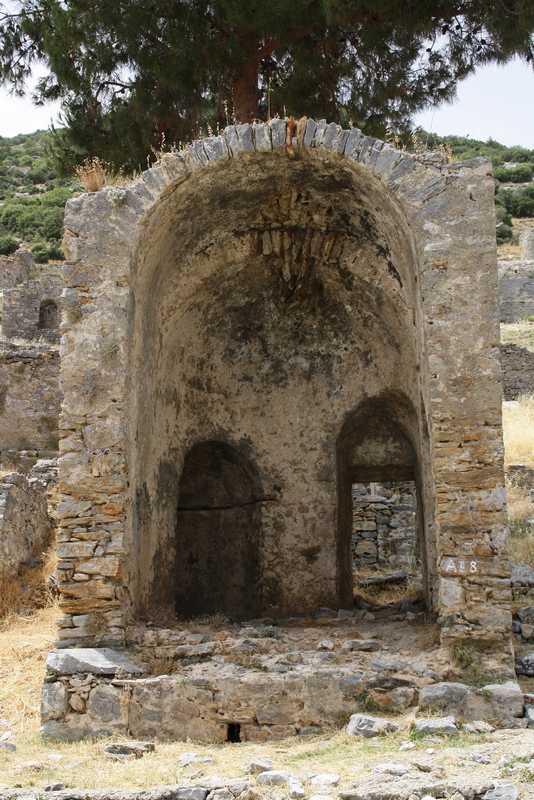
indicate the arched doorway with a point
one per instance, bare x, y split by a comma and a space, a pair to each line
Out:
381, 441
218, 533
48, 316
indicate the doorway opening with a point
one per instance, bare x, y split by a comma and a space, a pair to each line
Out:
218, 533
233, 734
384, 535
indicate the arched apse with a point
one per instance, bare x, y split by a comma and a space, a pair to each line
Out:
270, 297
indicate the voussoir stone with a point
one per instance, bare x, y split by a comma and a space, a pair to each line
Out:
369, 727
99, 661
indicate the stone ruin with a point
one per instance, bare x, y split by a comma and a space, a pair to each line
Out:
256, 326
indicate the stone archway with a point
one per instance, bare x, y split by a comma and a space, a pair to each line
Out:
218, 533
257, 290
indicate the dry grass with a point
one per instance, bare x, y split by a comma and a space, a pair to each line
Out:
388, 593
514, 249
92, 174
521, 333
518, 429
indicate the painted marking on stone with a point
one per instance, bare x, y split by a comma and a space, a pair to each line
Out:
461, 566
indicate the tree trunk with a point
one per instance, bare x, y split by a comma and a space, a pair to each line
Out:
246, 93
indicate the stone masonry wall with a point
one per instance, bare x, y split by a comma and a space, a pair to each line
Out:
437, 256
32, 310
517, 370
16, 268
383, 525
516, 290
25, 527
30, 399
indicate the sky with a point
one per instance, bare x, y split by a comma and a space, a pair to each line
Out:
496, 102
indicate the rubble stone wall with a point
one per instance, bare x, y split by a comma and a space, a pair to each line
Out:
30, 398
312, 307
32, 311
516, 290
517, 370
383, 526
16, 268
25, 527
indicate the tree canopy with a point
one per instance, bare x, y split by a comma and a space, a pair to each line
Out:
132, 74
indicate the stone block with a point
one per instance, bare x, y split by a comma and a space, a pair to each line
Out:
103, 661
369, 727
54, 701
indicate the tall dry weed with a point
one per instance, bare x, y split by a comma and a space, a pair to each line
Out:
518, 430
91, 174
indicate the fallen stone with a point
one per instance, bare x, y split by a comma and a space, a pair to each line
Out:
526, 614
100, 661
433, 725
496, 701
221, 794
323, 612
135, 749
258, 765
57, 786
325, 779
504, 792
478, 758
9, 746
240, 785
393, 769
296, 790
522, 575
192, 793
524, 665
365, 645
400, 576
369, 727
274, 777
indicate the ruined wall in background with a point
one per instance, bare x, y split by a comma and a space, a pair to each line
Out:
25, 527
30, 399
32, 310
16, 268
517, 370
516, 290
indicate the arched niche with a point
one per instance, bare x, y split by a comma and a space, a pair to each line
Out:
382, 440
48, 315
269, 298
218, 534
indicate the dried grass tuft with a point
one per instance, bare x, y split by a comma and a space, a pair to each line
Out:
92, 174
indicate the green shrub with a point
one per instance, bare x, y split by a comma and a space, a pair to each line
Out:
8, 245
503, 233
525, 207
521, 174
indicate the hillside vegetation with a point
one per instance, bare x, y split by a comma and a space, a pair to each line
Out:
32, 197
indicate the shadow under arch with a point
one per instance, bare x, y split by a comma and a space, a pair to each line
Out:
48, 315
218, 534
381, 440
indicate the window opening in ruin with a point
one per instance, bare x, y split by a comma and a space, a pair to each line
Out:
234, 732
384, 536
218, 535
48, 314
